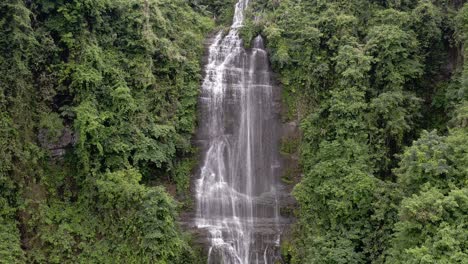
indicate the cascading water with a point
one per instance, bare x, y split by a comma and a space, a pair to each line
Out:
236, 191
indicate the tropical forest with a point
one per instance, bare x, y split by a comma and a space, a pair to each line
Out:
234, 131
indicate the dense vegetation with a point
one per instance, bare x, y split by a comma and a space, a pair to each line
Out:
381, 94
97, 107
98, 103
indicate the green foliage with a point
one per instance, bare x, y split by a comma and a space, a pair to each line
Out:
427, 24
52, 124
10, 250
221, 10
123, 76
433, 213
182, 174
289, 145
337, 189
364, 78
433, 228
460, 30
426, 161
394, 56
145, 216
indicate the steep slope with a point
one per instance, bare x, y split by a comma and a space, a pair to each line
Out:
366, 79
97, 105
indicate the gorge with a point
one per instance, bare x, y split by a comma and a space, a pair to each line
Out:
233, 131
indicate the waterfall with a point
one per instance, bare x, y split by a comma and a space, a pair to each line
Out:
236, 191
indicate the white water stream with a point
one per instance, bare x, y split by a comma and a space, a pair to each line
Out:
236, 192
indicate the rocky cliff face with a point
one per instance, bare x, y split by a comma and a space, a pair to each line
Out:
59, 146
238, 192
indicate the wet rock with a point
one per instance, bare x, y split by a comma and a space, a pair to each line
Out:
58, 146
